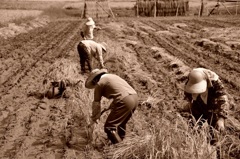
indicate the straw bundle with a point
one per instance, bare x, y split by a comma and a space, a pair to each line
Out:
64, 70
162, 7
128, 147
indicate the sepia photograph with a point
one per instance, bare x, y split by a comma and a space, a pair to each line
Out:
120, 79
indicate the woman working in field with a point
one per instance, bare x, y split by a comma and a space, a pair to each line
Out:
208, 98
125, 101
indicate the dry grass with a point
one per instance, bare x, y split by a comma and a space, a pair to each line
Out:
13, 15
30, 5
165, 139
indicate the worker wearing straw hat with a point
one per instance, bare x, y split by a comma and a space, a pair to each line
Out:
207, 96
125, 100
87, 49
87, 30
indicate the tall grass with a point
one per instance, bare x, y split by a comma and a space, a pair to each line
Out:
167, 138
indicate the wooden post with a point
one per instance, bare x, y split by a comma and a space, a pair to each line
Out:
201, 8
177, 9
236, 7
83, 11
137, 3
155, 8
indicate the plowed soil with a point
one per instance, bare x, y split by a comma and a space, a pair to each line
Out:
153, 54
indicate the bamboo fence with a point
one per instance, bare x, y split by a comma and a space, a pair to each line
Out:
96, 9
162, 7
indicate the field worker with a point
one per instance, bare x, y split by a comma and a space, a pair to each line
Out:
125, 101
87, 49
87, 30
207, 96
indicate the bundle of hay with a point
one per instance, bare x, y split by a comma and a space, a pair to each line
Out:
61, 74
128, 148
162, 7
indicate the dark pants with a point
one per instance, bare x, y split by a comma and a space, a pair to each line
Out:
119, 116
200, 111
84, 57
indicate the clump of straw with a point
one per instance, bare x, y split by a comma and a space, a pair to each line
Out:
128, 148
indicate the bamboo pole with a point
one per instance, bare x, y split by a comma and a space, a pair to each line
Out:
201, 8
137, 8
177, 10
155, 8
83, 11
110, 10
226, 8
236, 7
105, 10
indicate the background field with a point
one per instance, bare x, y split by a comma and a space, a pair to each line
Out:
153, 54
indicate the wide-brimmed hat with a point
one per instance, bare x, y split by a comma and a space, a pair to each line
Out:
197, 82
93, 74
90, 21
104, 46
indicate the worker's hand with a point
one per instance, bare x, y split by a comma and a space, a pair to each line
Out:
96, 111
96, 117
220, 124
98, 28
102, 66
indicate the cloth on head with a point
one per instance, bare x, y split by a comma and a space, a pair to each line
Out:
90, 21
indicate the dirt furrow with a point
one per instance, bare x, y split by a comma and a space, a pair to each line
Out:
193, 60
222, 58
28, 39
208, 23
39, 52
177, 49
228, 22
63, 45
205, 56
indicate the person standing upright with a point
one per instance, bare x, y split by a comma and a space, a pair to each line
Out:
88, 28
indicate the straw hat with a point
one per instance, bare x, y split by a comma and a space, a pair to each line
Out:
93, 74
197, 82
104, 46
90, 21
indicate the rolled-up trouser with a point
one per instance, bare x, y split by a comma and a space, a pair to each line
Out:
119, 116
84, 57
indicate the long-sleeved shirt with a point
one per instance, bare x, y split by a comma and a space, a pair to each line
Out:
112, 87
95, 49
217, 100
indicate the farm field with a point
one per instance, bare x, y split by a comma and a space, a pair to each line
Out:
153, 54
8, 15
